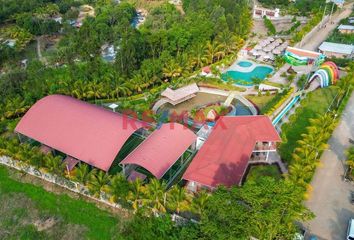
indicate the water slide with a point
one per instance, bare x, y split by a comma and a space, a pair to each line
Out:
286, 109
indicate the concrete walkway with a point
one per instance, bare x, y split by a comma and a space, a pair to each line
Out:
330, 199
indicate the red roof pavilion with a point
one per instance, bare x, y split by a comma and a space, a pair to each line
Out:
162, 149
81, 130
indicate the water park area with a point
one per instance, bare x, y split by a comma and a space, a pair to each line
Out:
244, 73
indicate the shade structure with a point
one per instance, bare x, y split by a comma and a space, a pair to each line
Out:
223, 158
162, 149
270, 39
257, 47
263, 43
81, 130
181, 94
256, 53
276, 51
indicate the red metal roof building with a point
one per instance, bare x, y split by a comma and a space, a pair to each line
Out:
162, 149
224, 157
81, 130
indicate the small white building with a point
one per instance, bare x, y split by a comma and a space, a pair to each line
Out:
346, 29
338, 50
260, 12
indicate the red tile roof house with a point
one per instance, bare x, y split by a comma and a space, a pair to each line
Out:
233, 144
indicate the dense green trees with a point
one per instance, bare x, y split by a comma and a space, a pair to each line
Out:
265, 209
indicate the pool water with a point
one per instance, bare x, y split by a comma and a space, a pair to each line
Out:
244, 64
245, 78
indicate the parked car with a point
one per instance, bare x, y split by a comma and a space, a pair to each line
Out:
350, 232
352, 197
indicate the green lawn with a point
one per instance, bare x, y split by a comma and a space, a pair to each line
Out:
258, 171
261, 101
314, 104
22, 204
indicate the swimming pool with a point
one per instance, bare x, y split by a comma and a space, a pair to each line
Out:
245, 78
244, 64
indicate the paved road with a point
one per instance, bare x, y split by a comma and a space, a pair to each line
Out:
330, 197
314, 42
323, 33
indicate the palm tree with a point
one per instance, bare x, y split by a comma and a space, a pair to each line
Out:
98, 181
82, 173
172, 70
350, 159
156, 196
229, 42
198, 54
54, 164
136, 193
177, 198
118, 188
199, 201
213, 52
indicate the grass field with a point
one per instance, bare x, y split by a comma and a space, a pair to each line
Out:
261, 101
29, 212
258, 171
316, 103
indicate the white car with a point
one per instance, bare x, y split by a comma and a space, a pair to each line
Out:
350, 233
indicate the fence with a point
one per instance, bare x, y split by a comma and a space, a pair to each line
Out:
71, 185
60, 181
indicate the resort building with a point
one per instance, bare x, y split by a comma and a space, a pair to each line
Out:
338, 50
80, 131
233, 144
346, 29
260, 12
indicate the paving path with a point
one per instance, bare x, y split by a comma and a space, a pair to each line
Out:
330, 199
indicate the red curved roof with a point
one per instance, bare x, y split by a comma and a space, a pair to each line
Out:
162, 148
84, 131
224, 156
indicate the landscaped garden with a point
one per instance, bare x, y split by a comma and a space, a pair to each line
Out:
259, 171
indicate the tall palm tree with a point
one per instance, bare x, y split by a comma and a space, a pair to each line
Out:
98, 181
199, 202
198, 54
229, 42
155, 195
350, 159
118, 188
54, 164
82, 173
213, 52
177, 198
136, 193
172, 70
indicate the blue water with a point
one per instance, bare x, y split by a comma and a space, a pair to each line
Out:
245, 78
244, 64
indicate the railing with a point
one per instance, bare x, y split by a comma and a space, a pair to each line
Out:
264, 147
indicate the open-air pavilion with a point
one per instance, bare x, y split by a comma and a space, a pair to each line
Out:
181, 94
